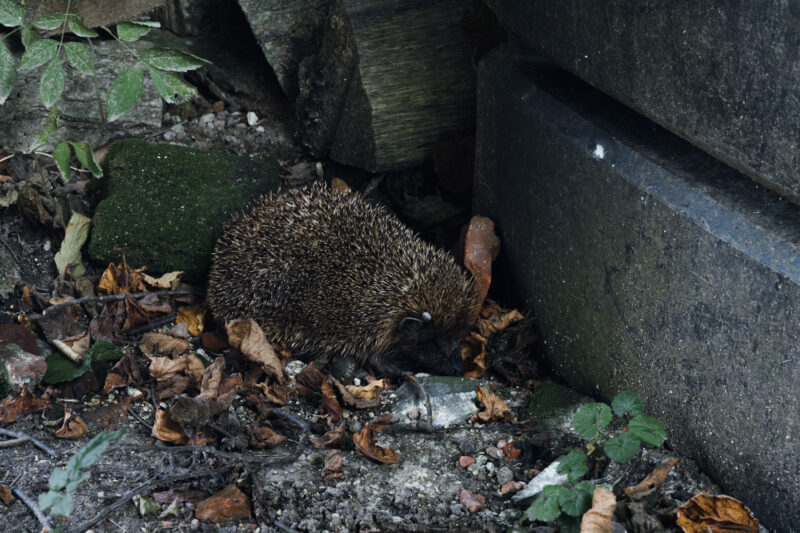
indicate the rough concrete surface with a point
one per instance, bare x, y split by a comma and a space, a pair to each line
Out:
651, 267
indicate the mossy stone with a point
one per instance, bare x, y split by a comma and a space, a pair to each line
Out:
165, 205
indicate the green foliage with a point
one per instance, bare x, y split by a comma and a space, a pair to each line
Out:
566, 505
64, 481
61, 369
126, 89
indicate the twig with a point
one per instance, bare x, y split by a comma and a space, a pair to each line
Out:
9, 249
141, 488
39, 444
33, 507
304, 425
13, 442
112, 297
153, 324
141, 420
51, 157
208, 450
6, 158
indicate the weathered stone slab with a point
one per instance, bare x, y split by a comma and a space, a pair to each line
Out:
724, 75
651, 267
165, 205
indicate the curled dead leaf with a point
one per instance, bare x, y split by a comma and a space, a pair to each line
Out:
73, 426
193, 316
334, 465
654, 480
264, 437
494, 318
718, 514
228, 504
369, 391
473, 354
168, 281
121, 278
163, 344
331, 439
6, 496
494, 408
212, 378
350, 400
481, 246
330, 404
365, 442
598, 518
25, 403
74, 347
248, 337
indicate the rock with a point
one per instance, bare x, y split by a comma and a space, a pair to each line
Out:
721, 74
165, 204
653, 268
504, 475
21, 362
548, 476
452, 400
23, 115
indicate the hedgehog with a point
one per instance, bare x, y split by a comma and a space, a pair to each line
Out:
328, 274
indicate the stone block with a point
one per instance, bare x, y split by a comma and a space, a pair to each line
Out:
20, 361
722, 74
650, 267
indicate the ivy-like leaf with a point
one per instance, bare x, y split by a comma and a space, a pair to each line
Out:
650, 430
51, 125
148, 23
627, 402
28, 36
52, 83
49, 22
590, 418
61, 155
573, 465
8, 72
128, 31
575, 502
58, 479
622, 448
79, 57
80, 30
171, 87
38, 53
125, 92
85, 155
546, 508
171, 59
11, 13
74, 237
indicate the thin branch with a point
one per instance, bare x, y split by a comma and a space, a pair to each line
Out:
39, 444
13, 442
113, 297
33, 507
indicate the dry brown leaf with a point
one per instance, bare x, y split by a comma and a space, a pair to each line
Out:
494, 318
228, 504
350, 400
212, 378
193, 316
473, 354
134, 314
25, 403
277, 394
655, 480
74, 347
168, 281
331, 439
471, 502
124, 372
365, 442
481, 246
248, 337
120, 278
494, 408
154, 305
367, 392
598, 518
164, 368
167, 344
167, 430
264, 437
6, 496
334, 465
716, 514
330, 404
72, 428
310, 377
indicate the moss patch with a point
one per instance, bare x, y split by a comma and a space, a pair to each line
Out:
165, 205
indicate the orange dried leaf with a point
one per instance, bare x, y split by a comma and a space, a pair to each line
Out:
168, 281
212, 377
164, 368
72, 428
228, 504
167, 344
330, 404
365, 442
193, 316
25, 403
655, 479
167, 430
134, 314
367, 392
716, 514
264, 437
493, 407
248, 337
6, 496
598, 518
494, 318
334, 465
473, 353
481, 246
121, 278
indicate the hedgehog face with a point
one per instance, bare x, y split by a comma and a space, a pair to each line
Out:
421, 346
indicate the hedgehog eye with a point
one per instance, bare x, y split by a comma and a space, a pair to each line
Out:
426, 316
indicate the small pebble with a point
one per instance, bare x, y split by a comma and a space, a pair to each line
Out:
252, 118
465, 460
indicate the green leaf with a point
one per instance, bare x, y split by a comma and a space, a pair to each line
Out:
171, 59
545, 507
61, 369
62, 506
11, 13
79, 57
28, 37
86, 157
127, 31
61, 155
89, 454
8, 72
171, 87
573, 465
70, 252
40, 141
80, 30
627, 402
148, 23
590, 418
38, 53
104, 351
575, 502
124, 92
52, 83
51, 125
569, 524
650, 430
47, 499
49, 22
58, 479
622, 448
